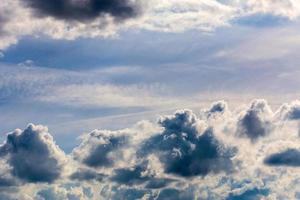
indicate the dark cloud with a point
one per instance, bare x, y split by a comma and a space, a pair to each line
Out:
174, 194
84, 9
186, 152
218, 107
32, 155
289, 157
255, 122
156, 183
87, 175
7, 182
139, 174
97, 148
130, 176
251, 194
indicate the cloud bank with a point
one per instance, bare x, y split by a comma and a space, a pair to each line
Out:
214, 153
71, 19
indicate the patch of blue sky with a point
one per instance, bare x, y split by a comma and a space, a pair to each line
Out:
261, 20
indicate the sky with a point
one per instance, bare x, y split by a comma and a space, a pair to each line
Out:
136, 99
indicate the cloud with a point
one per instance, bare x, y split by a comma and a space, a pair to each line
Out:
290, 111
185, 150
84, 10
183, 157
87, 175
130, 176
289, 157
33, 155
98, 147
255, 122
218, 107
71, 19
64, 193
254, 193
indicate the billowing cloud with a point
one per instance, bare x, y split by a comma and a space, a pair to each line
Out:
33, 155
255, 122
98, 147
289, 157
186, 150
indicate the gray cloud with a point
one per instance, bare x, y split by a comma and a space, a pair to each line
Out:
187, 152
218, 107
87, 175
289, 157
254, 193
64, 192
96, 149
33, 155
84, 9
255, 122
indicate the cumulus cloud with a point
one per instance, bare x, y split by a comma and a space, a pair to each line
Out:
186, 150
255, 122
33, 155
184, 157
100, 148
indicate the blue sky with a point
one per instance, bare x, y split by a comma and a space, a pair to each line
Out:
252, 55
64, 80
119, 67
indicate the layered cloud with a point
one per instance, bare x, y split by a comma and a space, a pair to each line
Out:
71, 19
216, 154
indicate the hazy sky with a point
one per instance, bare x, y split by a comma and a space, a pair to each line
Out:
79, 65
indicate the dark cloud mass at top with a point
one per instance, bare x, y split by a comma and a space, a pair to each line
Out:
84, 9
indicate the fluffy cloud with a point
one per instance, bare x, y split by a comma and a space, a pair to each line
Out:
290, 111
186, 149
255, 122
32, 155
100, 148
183, 157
